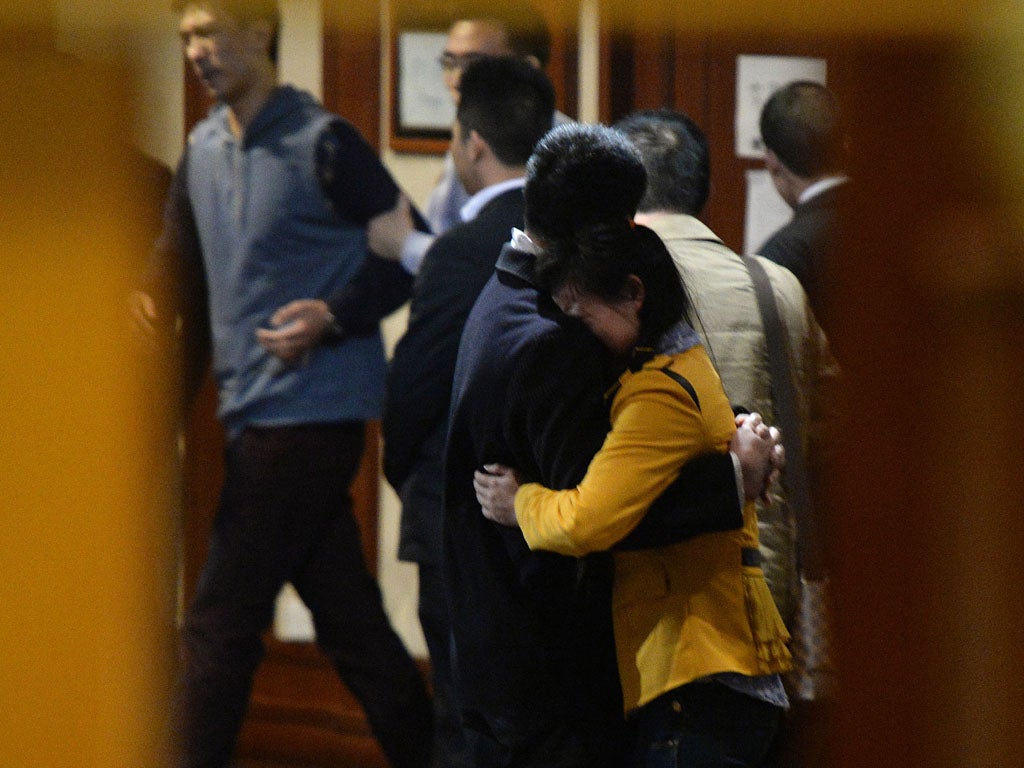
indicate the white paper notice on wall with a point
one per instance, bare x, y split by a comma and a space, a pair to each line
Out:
757, 78
766, 210
423, 99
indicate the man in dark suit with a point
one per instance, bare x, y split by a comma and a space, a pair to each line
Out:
478, 28
803, 140
506, 107
535, 663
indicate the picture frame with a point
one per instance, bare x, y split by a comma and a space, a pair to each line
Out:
422, 111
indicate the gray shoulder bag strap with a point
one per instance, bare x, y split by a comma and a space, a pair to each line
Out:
784, 403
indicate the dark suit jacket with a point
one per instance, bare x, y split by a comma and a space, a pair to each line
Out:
419, 382
532, 630
806, 244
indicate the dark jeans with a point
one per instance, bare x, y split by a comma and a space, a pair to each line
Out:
565, 746
285, 515
703, 725
803, 737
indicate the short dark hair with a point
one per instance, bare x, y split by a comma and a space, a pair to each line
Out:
510, 103
245, 12
800, 123
581, 175
675, 155
525, 29
600, 260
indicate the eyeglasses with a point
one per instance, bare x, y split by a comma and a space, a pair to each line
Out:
452, 61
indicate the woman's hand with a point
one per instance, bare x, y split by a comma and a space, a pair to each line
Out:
761, 454
496, 491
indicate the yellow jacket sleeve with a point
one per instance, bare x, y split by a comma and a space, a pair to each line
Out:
656, 428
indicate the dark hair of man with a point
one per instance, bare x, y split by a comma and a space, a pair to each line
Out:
800, 124
601, 259
509, 103
581, 175
675, 155
245, 12
525, 29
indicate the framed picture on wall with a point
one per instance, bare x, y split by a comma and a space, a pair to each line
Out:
421, 108
757, 78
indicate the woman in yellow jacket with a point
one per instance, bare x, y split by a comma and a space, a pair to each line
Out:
699, 640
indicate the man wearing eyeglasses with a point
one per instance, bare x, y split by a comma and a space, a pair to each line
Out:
479, 29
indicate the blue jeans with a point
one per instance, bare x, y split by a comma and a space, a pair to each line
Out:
703, 725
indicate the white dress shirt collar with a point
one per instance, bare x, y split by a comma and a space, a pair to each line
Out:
522, 242
476, 203
820, 186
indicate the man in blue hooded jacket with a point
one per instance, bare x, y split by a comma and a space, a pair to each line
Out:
265, 223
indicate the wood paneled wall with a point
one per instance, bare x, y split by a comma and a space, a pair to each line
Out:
696, 74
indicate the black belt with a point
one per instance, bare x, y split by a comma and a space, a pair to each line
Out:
750, 557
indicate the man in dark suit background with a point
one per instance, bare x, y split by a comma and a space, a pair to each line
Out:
804, 141
505, 108
477, 28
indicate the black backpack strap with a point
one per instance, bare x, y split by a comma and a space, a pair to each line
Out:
683, 382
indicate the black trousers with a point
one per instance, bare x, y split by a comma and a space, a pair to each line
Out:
285, 515
450, 741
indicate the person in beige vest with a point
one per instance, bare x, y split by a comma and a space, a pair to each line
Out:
675, 156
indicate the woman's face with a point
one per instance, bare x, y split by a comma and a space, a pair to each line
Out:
616, 323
